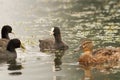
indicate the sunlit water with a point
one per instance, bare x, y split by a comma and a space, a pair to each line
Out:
31, 20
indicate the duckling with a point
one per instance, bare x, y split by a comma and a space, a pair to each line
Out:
6, 29
86, 59
10, 52
98, 56
53, 44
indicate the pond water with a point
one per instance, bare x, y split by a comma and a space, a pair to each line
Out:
31, 20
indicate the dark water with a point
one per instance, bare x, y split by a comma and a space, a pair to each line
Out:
32, 19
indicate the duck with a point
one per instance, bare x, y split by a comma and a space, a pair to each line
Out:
96, 57
10, 53
86, 58
53, 44
6, 29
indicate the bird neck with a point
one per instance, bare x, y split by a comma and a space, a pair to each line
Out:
10, 47
5, 35
58, 38
88, 52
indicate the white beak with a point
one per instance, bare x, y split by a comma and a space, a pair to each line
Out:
51, 32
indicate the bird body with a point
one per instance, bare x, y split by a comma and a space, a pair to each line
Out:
10, 53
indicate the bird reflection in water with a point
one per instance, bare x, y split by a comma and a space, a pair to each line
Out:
14, 67
58, 60
87, 73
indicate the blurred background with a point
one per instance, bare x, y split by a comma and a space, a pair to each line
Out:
94, 19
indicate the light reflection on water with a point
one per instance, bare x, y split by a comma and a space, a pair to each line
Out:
31, 21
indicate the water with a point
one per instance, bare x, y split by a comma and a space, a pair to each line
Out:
32, 19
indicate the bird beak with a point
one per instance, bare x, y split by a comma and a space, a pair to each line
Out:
22, 47
13, 33
51, 32
77, 49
